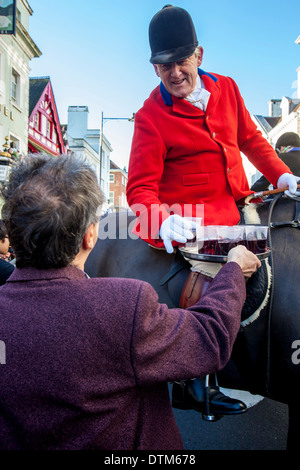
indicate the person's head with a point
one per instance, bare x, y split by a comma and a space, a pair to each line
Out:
50, 205
174, 50
288, 139
4, 240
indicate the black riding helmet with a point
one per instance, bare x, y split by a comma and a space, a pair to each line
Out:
172, 35
288, 139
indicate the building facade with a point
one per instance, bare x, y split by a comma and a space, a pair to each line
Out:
87, 144
44, 132
284, 116
16, 52
117, 188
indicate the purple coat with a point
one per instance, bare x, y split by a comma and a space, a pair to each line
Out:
88, 360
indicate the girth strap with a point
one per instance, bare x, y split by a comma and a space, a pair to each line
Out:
179, 263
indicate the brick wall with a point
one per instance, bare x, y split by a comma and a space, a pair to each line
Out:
118, 187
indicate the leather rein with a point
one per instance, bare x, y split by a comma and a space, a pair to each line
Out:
295, 223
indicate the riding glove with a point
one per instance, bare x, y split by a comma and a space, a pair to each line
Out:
290, 181
176, 228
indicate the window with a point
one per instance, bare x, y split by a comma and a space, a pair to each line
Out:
37, 121
111, 178
44, 122
49, 130
15, 144
54, 136
1, 81
112, 197
15, 87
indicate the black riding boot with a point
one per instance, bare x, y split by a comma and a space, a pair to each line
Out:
199, 395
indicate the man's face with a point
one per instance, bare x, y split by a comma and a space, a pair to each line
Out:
179, 78
4, 246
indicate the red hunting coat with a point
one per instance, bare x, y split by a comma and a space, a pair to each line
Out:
181, 155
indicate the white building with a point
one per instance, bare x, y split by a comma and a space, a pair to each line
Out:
16, 51
85, 143
284, 116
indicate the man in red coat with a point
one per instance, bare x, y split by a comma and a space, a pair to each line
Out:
188, 140
186, 150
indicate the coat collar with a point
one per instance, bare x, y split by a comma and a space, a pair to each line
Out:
33, 274
182, 106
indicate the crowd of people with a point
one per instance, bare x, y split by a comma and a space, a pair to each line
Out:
6, 255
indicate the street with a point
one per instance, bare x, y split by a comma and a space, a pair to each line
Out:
263, 427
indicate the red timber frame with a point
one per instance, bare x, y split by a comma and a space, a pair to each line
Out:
44, 133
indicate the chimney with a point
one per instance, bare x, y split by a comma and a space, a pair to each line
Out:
274, 108
285, 106
77, 121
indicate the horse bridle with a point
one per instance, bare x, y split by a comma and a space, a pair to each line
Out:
290, 223
295, 223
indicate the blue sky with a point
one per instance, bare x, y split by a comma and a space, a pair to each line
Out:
97, 54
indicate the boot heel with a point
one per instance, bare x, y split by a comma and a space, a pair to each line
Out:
208, 416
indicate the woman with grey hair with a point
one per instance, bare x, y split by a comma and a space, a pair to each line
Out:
48, 207
88, 360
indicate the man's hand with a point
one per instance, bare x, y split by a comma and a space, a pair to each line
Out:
247, 260
176, 228
290, 181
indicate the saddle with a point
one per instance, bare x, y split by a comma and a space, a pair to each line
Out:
186, 287
194, 288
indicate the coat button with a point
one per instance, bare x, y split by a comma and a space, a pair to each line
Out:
214, 134
228, 170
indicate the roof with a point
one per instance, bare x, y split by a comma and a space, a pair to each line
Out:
114, 166
36, 88
267, 123
295, 105
39, 89
272, 120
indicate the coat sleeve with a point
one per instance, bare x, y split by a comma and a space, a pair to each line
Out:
146, 166
169, 344
254, 146
261, 184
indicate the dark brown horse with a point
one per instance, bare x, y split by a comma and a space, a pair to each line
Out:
265, 357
